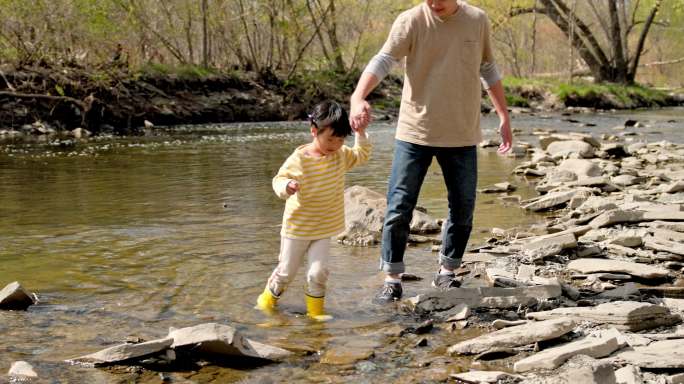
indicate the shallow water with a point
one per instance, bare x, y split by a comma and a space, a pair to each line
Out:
130, 236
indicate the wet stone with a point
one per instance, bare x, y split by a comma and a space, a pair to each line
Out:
223, 340
350, 352
14, 297
123, 352
21, 370
486, 377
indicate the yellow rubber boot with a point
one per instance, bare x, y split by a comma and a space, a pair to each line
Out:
314, 308
267, 301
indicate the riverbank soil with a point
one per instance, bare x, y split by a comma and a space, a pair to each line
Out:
115, 100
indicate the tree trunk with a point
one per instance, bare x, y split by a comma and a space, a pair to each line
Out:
205, 36
618, 68
253, 57
631, 75
334, 41
620, 64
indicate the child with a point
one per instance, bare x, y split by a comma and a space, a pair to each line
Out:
312, 182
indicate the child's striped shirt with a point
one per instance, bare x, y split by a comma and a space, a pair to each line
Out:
316, 211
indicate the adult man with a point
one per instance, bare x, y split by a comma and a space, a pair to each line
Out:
446, 47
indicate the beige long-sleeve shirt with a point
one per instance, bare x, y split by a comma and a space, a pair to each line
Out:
440, 103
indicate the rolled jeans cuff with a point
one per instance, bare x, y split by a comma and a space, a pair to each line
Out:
392, 268
449, 262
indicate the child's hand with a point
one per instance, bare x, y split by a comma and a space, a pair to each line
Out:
361, 128
292, 187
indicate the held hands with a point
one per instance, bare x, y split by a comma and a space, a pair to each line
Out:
292, 187
359, 115
506, 136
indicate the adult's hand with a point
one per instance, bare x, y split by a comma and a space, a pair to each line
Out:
359, 114
506, 136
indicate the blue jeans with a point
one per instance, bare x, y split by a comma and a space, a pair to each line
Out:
410, 164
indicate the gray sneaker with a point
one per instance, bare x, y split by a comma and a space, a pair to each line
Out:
390, 292
445, 281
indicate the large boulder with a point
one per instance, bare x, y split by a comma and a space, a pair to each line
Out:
223, 340
364, 211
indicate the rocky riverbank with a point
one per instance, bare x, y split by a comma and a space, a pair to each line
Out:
596, 290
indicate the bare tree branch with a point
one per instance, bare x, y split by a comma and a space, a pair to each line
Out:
659, 63
9, 85
306, 45
642, 39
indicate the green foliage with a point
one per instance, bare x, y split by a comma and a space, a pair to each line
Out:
279, 35
514, 100
324, 84
625, 94
519, 82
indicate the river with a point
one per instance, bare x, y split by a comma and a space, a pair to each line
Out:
126, 237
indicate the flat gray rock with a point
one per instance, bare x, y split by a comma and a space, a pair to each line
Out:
664, 354
661, 243
579, 369
560, 241
498, 188
624, 315
550, 200
123, 352
629, 374
482, 297
514, 336
617, 216
552, 358
643, 271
